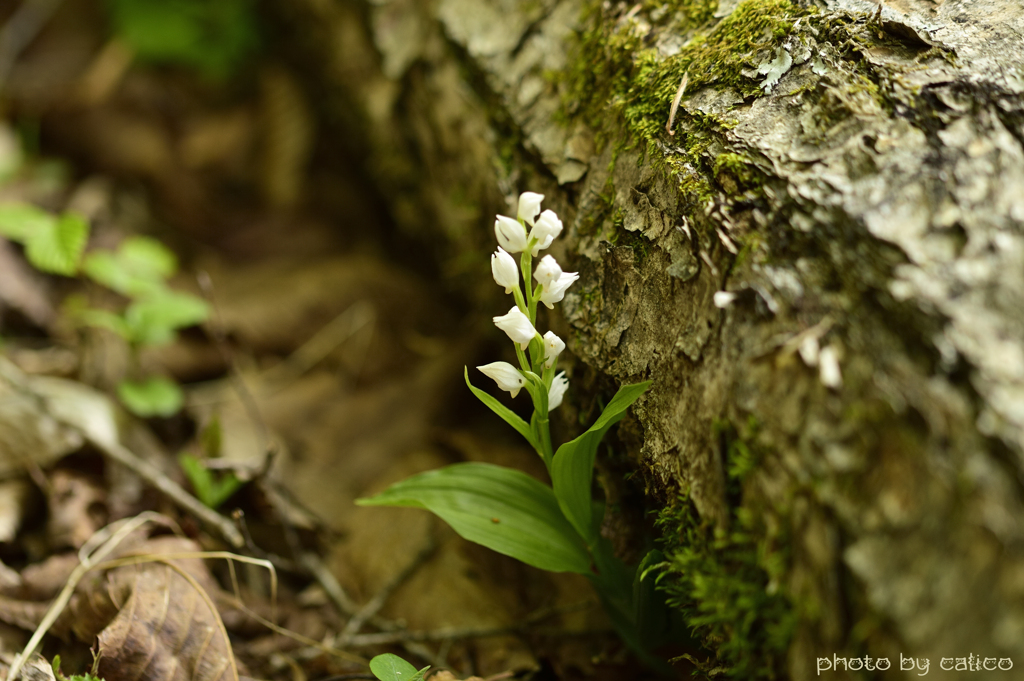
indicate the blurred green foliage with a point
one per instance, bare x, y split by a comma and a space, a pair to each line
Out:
138, 270
213, 37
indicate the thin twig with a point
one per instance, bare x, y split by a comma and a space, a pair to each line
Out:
227, 353
389, 637
155, 477
348, 607
373, 606
342, 601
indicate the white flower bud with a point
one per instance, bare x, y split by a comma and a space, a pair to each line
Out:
546, 230
553, 346
503, 267
517, 326
505, 375
557, 390
511, 235
554, 294
529, 206
547, 271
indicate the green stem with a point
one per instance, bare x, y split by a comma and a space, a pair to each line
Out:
523, 363
526, 264
520, 303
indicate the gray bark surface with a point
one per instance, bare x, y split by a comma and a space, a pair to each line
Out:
888, 232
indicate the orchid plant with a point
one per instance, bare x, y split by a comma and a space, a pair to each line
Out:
554, 527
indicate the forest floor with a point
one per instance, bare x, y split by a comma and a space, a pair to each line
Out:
328, 366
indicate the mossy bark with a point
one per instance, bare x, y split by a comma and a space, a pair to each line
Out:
853, 174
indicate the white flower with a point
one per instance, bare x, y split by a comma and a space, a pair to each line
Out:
517, 326
554, 294
557, 390
547, 271
529, 206
503, 267
828, 368
723, 299
511, 235
505, 375
546, 230
553, 346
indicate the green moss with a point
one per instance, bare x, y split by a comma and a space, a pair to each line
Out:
725, 582
615, 68
635, 241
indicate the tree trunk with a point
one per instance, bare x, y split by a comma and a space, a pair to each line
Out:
846, 423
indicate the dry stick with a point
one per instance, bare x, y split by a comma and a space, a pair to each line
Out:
374, 605
216, 327
483, 632
388, 637
155, 477
348, 607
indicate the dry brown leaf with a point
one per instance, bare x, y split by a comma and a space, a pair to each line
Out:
78, 508
154, 615
167, 629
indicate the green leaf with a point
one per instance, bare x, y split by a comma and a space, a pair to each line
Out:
145, 256
52, 244
59, 250
138, 268
388, 667
76, 307
503, 509
213, 490
506, 414
19, 220
153, 320
155, 396
573, 465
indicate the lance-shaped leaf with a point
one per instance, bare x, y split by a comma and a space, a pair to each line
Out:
510, 417
501, 508
573, 466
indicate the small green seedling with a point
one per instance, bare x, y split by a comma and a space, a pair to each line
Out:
138, 270
55, 664
554, 527
388, 667
213, 489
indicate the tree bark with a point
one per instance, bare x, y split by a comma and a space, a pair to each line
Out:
853, 174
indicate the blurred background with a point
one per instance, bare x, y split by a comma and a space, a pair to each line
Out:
339, 243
